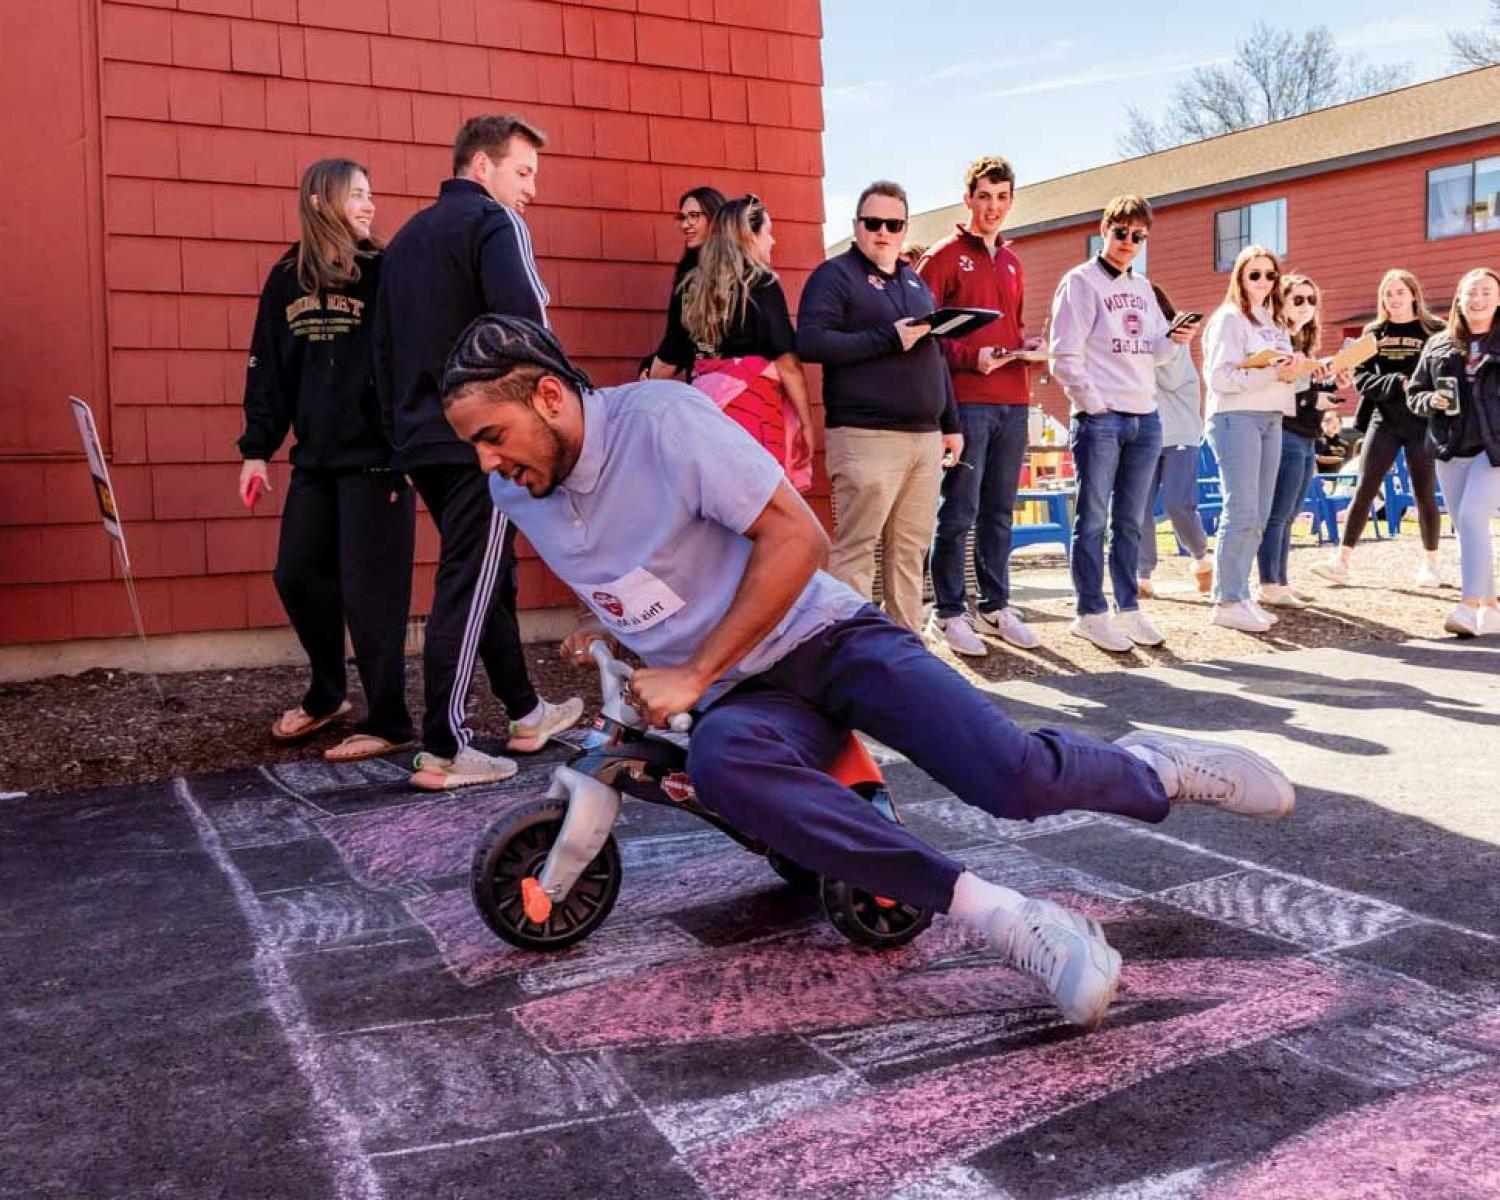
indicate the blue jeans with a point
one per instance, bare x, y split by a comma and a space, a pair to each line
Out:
980, 494
1471, 487
1298, 461
1177, 477
759, 757
1248, 445
1115, 456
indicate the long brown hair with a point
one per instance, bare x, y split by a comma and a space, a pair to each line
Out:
1237, 297
1458, 324
327, 252
715, 293
1418, 304
1304, 340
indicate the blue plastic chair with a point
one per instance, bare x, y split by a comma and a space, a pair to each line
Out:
1398, 494
1058, 527
1210, 490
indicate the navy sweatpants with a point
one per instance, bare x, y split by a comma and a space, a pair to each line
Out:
758, 756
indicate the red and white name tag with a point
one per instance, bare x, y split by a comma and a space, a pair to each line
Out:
633, 602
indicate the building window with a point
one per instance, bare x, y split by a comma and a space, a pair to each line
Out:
1464, 198
1262, 224
1096, 248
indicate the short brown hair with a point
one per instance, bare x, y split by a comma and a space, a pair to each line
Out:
490, 134
1126, 211
993, 169
883, 187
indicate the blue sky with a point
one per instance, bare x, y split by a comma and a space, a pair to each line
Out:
1046, 85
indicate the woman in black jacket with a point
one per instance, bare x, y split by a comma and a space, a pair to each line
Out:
347, 528
1402, 326
696, 210
1457, 387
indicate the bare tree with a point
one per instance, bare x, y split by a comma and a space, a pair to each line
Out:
1273, 73
1478, 47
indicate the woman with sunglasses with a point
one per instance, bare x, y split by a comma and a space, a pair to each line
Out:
1402, 327
348, 525
1299, 436
696, 208
729, 328
1457, 387
1246, 401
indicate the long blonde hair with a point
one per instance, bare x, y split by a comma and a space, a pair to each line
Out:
1238, 298
1418, 304
1305, 339
327, 252
716, 292
1458, 323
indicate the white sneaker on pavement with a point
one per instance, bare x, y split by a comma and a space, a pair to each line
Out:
529, 736
1334, 571
1307, 598
1135, 625
1241, 616
1428, 576
1096, 628
468, 768
1464, 621
1216, 774
1269, 618
958, 633
1006, 624
1064, 952
1277, 595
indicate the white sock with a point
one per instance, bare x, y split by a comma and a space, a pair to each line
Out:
535, 714
1153, 760
976, 900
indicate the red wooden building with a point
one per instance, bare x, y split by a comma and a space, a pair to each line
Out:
1406, 179
153, 147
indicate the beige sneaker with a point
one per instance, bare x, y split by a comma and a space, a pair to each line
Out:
530, 736
468, 768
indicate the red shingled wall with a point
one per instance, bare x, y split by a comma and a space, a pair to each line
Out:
161, 143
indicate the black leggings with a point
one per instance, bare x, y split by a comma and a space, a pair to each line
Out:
1381, 447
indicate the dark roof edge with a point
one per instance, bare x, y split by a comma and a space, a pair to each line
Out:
1284, 174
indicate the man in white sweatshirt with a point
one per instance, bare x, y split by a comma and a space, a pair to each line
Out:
1108, 333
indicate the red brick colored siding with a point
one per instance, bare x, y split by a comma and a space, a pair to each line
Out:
162, 141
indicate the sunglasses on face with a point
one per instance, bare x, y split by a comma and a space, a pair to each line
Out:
1299, 301
1134, 236
1257, 276
891, 224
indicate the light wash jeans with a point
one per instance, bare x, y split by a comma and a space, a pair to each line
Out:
1248, 446
1471, 488
1177, 477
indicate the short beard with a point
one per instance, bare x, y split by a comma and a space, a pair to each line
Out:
562, 461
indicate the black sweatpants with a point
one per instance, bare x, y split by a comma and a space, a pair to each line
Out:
345, 556
473, 607
1380, 450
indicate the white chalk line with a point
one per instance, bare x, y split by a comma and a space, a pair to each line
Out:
270, 777
354, 1178
508, 1135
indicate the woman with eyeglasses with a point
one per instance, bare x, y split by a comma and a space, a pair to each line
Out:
1456, 386
731, 331
1252, 370
348, 524
1299, 436
1402, 327
696, 208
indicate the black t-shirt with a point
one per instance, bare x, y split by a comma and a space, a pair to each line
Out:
764, 329
1331, 447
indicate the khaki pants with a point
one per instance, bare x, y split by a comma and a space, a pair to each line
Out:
885, 492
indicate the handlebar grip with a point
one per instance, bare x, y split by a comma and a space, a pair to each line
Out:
680, 722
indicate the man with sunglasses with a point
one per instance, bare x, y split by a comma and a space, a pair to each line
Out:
1108, 333
888, 403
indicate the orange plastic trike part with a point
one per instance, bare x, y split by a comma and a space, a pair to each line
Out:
884, 902
535, 902
854, 766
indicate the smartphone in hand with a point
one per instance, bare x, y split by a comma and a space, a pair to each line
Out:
253, 490
1184, 319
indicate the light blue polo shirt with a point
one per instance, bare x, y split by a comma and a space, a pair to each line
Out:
648, 527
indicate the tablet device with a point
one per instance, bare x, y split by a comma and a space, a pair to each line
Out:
955, 322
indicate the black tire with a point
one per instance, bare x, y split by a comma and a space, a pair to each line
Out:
516, 846
867, 921
800, 878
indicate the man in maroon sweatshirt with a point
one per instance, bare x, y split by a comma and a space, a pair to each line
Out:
974, 268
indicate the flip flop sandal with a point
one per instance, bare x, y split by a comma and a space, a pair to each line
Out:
359, 746
281, 733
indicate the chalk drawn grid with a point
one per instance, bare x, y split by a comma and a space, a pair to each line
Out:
717, 1039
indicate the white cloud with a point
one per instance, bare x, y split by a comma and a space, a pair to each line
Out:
1048, 52
1085, 79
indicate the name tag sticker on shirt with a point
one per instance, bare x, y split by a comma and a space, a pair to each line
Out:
632, 602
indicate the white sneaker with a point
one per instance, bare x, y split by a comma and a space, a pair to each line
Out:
527, 737
959, 634
1269, 618
1134, 624
1096, 628
1334, 571
1203, 572
1239, 616
1489, 621
1006, 624
1307, 598
1278, 595
1064, 952
1218, 774
1145, 589
1428, 576
468, 768
1464, 621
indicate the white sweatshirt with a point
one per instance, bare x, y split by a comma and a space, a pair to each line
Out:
1110, 334
1229, 338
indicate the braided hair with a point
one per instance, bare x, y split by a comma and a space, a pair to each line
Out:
495, 347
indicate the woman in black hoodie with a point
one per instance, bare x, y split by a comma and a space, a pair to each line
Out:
1457, 387
347, 528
